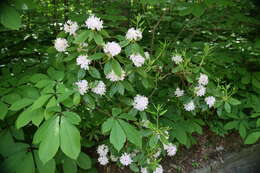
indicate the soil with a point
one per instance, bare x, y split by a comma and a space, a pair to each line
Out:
209, 147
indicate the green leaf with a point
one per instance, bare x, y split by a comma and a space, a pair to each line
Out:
242, 130
40, 101
133, 135
116, 67
24, 118
81, 37
252, 138
94, 72
50, 140
198, 9
180, 133
76, 99
153, 141
27, 164
117, 136
3, 110
107, 125
90, 101
9, 17
96, 56
69, 166
98, 39
254, 115
116, 111
70, 138
227, 107
72, 117
38, 116
19, 104
231, 125
49, 167
84, 161
55, 74
233, 101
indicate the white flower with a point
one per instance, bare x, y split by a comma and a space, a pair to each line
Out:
113, 77
133, 34
102, 150
61, 44
200, 90
158, 153
147, 55
210, 101
70, 27
113, 158
82, 86
171, 149
159, 169
137, 59
112, 48
144, 170
203, 79
94, 23
140, 102
100, 88
83, 62
177, 59
103, 160
189, 106
178, 92
126, 159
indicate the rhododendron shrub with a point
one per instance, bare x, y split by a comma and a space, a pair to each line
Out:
110, 93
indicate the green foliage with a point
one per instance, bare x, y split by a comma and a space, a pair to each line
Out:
47, 124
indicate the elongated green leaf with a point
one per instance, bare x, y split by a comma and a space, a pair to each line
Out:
117, 136
252, 138
98, 39
96, 56
82, 37
19, 104
40, 101
38, 116
24, 118
84, 161
69, 166
3, 110
9, 17
50, 141
70, 138
94, 72
116, 67
132, 134
107, 125
49, 167
72, 117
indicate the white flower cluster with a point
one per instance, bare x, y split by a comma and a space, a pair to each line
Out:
159, 169
140, 102
112, 48
137, 59
82, 86
210, 101
203, 79
177, 59
100, 89
83, 62
70, 27
144, 170
61, 44
200, 90
113, 77
147, 55
94, 23
102, 150
178, 92
133, 34
189, 106
125, 159
170, 149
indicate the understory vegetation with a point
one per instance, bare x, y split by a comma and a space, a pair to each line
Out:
131, 80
